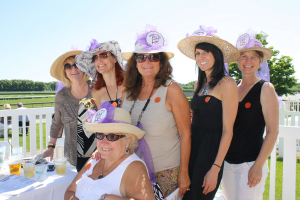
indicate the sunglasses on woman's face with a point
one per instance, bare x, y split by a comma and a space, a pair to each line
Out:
110, 137
101, 56
142, 58
69, 66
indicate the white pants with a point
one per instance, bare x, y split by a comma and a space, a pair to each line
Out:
235, 179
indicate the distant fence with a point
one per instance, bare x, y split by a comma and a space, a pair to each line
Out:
27, 97
32, 105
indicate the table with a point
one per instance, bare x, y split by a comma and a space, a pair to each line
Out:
53, 189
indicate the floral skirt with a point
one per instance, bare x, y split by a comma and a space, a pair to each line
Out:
167, 180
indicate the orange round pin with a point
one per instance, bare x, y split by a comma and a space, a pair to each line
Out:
247, 105
157, 99
88, 166
115, 104
207, 99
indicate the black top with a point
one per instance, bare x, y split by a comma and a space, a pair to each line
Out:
248, 128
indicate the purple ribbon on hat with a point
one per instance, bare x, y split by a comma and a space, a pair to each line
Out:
59, 86
202, 31
109, 116
93, 45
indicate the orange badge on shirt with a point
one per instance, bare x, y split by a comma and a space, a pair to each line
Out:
207, 99
247, 105
88, 166
115, 104
157, 99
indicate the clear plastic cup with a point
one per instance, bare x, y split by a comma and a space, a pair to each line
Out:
17, 151
41, 172
60, 165
15, 164
2, 155
28, 167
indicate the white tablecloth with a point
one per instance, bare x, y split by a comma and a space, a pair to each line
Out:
53, 188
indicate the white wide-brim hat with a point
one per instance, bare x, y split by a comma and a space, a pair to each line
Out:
149, 40
84, 60
188, 44
117, 122
57, 66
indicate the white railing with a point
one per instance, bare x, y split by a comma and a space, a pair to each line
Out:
32, 112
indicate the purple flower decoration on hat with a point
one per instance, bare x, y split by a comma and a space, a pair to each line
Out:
93, 45
248, 40
151, 39
202, 31
105, 114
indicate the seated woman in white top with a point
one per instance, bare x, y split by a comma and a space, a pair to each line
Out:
120, 173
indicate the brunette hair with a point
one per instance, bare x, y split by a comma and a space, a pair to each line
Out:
64, 78
218, 69
133, 79
118, 73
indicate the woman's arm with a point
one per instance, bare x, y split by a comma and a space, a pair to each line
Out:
70, 192
177, 102
230, 106
270, 108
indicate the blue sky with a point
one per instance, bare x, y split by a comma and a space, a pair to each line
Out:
34, 33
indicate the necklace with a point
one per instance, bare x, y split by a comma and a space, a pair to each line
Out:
101, 175
116, 102
205, 88
144, 108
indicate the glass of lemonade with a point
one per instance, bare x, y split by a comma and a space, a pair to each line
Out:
15, 165
28, 167
60, 165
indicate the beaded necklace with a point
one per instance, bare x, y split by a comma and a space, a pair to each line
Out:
116, 102
144, 108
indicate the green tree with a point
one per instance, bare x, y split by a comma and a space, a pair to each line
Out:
281, 71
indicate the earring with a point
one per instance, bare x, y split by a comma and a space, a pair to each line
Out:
127, 150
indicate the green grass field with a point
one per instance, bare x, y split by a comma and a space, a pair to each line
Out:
28, 101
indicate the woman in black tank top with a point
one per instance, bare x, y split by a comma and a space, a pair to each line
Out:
245, 168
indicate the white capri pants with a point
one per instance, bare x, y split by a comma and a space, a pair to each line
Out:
235, 179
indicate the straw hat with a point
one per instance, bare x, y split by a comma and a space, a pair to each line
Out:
84, 60
248, 42
57, 65
149, 41
188, 44
110, 119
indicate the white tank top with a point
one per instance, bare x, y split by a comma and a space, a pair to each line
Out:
160, 126
89, 189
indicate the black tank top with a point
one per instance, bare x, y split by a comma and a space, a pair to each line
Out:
248, 128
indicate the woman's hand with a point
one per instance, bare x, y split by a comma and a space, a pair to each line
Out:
96, 155
49, 153
210, 180
254, 175
183, 182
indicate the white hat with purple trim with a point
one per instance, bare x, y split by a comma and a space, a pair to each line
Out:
149, 40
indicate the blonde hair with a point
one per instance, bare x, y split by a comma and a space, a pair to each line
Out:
133, 143
64, 78
257, 54
6, 106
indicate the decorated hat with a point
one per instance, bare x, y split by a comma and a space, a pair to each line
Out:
58, 66
188, 44
84, 60
248, 42
149, 40
110, 119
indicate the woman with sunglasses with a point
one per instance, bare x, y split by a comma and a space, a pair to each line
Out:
158, 104
120, 173
68, 111
214, 106
103, 63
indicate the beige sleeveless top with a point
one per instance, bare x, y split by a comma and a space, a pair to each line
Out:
160, 127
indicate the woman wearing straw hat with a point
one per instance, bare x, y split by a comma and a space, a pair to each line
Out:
246, 165
103, 63
69, 114
158, 104
214, 108
120, 173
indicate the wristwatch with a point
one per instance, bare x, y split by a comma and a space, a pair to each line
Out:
103, 196
50, 145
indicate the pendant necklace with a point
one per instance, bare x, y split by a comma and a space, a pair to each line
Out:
101, 175
113, 102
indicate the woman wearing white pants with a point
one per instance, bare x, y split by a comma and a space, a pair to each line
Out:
246, 165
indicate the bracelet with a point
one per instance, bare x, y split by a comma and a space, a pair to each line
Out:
103, 196
217, 165
50, 145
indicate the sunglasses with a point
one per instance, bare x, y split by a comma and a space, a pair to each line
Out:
69, 66
142, 58
101, 56
110, 137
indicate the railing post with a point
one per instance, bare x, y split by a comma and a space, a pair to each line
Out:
281, 122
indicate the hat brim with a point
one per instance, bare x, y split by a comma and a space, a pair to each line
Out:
57, 66
127, 55
267, 52
115, 128
188, 44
